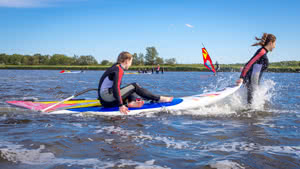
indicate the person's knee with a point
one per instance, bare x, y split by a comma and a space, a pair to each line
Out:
136, 85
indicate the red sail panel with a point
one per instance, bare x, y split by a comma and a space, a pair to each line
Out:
207, 61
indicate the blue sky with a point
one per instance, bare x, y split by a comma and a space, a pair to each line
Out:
177, 28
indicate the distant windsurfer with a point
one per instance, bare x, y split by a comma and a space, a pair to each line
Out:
112, 95
217, 66
254, 68
157, 69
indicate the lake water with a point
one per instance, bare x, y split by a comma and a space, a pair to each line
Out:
229, 134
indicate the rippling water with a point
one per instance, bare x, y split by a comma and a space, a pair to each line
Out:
225, 135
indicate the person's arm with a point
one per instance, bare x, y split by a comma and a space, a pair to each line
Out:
117, 85
117, 90
249, 64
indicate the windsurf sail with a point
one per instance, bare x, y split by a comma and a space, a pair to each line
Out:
207, 61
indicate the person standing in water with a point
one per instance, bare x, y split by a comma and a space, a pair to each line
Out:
111, 94
217, 66
157, 68
254, 68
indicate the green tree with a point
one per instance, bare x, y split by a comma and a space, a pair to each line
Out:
87, 60
171, 61
159, 60
43, 59
36, 59
75, 60
26, 60
15, 59
59, 59
135, 60
105, 62
3, 58
141, 59
151, 55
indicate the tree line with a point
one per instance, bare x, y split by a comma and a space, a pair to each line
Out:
150, 58
38, 59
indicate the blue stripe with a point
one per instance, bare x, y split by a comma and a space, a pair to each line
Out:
146, 106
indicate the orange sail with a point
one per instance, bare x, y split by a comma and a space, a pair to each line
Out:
207, 61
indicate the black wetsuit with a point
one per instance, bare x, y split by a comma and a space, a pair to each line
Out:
111, 94
217, 66
253, 70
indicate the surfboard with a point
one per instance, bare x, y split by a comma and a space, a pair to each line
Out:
93, 106
131, 73
67, 71
136, 73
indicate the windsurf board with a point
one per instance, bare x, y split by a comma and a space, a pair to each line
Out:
93, 106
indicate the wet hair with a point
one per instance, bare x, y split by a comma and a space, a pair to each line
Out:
265, 39
124, 56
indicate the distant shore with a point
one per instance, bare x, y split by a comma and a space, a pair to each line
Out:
177, 67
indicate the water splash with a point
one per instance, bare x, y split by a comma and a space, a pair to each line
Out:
237, 102
263, 95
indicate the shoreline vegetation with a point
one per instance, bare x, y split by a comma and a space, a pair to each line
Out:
140, 61
176, 67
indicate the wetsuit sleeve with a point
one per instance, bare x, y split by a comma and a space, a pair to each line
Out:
251, 62
117, 85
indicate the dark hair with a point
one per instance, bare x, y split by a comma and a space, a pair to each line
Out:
124, 56
265, 39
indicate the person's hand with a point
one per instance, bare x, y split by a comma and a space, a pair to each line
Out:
239, 81
123, 109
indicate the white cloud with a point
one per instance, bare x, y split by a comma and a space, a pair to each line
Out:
190, 26
30, 3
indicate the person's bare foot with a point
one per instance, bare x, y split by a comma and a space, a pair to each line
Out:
165, 99
136, 104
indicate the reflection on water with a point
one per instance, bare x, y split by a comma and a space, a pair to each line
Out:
228, 134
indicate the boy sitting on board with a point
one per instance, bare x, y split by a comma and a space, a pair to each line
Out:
111, 94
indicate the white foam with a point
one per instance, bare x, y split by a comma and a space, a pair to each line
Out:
210, 126
226, 164
140, 137
244, 148
15, 153
79, 125
147, 165
18, 154
109, 141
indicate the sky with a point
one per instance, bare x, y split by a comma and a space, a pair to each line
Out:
176, 28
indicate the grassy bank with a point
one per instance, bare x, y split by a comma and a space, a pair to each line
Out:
177, 67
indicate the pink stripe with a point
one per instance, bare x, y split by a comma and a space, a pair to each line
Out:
36, 105
248, 66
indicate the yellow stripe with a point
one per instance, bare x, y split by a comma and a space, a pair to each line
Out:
86, 105
71, 102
